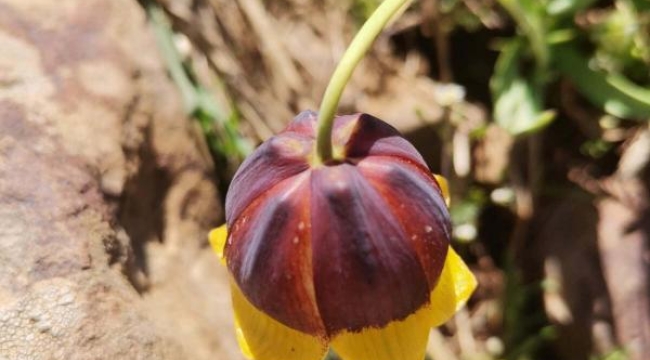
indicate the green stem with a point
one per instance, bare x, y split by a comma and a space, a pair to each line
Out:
355, 52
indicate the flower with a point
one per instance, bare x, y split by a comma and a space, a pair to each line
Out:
352, 254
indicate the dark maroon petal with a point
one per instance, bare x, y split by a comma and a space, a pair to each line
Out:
365, 272
373, 137
277, 159
304, 124
414, 198
357, 243
271, 260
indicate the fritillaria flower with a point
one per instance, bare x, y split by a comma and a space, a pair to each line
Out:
352, 253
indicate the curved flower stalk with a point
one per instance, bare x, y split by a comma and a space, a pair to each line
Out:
352, 253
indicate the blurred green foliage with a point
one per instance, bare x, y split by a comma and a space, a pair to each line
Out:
220, 128
362, 9
602, 48
618, 354
607, 60
518, 99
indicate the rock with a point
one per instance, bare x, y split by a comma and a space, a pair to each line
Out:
105, 196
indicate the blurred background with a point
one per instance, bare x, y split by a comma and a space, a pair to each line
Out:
536, 111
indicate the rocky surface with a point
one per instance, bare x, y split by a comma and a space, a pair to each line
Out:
105, 194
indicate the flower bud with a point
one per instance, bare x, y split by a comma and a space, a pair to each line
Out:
357, 242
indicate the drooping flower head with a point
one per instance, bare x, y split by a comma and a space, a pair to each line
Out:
353, 253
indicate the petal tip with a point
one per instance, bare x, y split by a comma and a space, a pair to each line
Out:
261, 337
455, 286
444, 188
464, 280
217, 238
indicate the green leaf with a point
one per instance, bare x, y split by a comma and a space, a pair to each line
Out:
530, 15
517, 102
641, 5
613, 93
560, 36
163, 34
221, 133
566, 7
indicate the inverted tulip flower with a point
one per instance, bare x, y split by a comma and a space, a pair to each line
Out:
352, 253
338, 236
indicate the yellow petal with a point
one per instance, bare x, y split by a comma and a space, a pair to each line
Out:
455, 286
406, 339
217, 238
403, 340
263, 338
241, 341
444, 188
